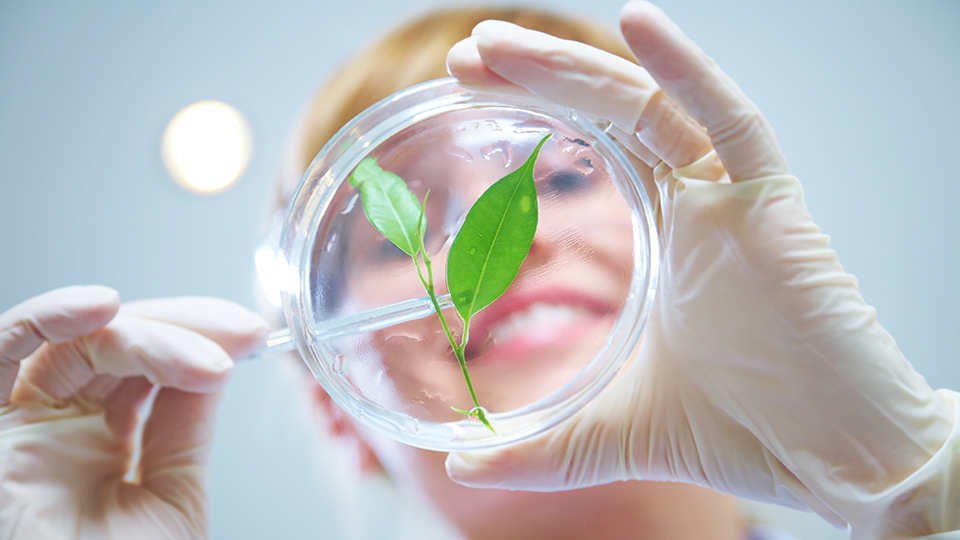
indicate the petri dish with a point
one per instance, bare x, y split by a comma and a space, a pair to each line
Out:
363, 323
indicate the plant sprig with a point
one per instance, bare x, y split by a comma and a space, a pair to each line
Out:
486, 253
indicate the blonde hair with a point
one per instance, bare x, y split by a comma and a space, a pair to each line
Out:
414, 53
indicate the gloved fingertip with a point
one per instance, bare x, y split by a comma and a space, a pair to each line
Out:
465, 63
462, 55
251, 335
70, 312
233, 327
212, 376
95, 294
639, 8
193, 364
220, 366
493, 26
640, 23
467, 468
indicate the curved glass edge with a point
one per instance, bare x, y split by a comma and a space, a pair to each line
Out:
308, 206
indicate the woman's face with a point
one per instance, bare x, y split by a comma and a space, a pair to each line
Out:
551, 321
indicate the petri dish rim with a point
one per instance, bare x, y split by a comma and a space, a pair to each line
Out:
303, 225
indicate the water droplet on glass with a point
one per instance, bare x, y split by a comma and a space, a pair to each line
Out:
572, 145
583, 166
526, 127
493, 125
497, 151
411, 426
337, 365
397, 333
458, 151
351, 203
332, 243
472, 251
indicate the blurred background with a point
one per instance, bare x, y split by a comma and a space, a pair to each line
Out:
863, 96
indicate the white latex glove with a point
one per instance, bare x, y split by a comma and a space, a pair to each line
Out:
75, 368
762, 371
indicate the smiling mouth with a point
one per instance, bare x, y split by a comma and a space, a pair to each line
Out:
519, 327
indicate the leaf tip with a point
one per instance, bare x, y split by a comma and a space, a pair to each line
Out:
363, 171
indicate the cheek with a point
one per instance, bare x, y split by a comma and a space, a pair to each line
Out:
408, 368
595, 227
609, 233
373, 287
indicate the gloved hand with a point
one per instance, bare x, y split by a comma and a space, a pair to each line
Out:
75, 368
762, 372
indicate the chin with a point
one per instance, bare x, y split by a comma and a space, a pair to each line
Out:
616, 510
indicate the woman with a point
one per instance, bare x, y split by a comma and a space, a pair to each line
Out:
765, 325
416, 53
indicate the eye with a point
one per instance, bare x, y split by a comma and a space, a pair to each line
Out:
387, 251
567, 181
434, 239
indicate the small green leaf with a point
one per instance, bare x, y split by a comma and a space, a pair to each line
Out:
477, 412
389, 205
494, 240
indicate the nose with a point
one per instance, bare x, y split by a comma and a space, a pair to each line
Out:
543, 250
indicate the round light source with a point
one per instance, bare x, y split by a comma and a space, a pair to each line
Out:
206, 146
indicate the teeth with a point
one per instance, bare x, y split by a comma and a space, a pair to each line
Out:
537, 315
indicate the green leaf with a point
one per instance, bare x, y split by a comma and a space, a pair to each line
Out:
494, 240
389, 205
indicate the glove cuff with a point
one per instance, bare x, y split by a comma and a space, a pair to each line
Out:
925, 504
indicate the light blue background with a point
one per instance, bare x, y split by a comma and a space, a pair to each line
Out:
864, 97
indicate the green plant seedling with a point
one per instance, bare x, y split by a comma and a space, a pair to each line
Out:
486, 253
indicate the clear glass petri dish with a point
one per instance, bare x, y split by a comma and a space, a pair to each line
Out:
567, 325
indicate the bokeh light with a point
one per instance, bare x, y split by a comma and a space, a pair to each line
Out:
206, 146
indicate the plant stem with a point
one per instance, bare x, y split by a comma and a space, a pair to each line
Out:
458, 350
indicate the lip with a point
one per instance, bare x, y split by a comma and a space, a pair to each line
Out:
590, 312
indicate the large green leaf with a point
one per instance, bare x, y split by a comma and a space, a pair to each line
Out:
390, 206
494, 240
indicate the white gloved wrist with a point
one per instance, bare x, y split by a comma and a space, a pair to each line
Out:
777, 334
928, 498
